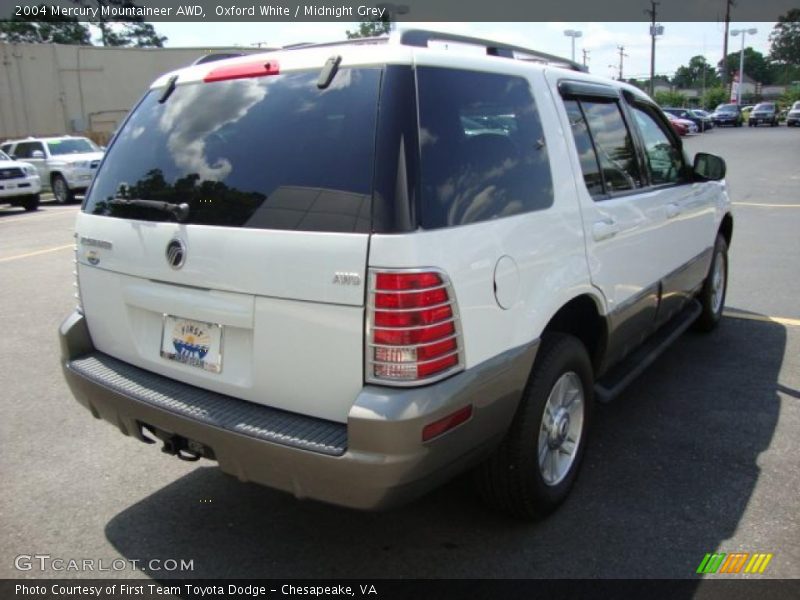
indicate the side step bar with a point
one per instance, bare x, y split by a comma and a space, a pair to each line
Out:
619, 377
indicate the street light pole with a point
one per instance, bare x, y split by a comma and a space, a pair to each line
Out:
573, 33
743, 33
653, 34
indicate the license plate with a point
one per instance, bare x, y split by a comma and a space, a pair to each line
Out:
11, 186
194, 343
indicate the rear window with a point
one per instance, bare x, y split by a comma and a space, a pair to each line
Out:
482, 149
273, 152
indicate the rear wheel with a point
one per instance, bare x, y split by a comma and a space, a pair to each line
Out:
712, 296
31, 203
61, 190
534, 468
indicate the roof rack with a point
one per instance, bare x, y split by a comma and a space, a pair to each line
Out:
420, 38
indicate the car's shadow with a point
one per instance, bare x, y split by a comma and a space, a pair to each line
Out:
669, 472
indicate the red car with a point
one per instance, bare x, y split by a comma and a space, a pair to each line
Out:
677, 124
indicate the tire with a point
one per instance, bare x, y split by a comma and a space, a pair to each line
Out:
61, 190
712, 296
512, 478
31, 203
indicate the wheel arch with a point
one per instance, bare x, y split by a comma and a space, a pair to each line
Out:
726, 228
583, 317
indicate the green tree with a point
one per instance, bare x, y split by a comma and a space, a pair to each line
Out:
669, 99
756, 66
124, 31
785, 39
371, 28
45, 29
714, 97
697, 74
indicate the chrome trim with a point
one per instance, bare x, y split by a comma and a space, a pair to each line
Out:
415, 346
443, 304
444, 322
415, 291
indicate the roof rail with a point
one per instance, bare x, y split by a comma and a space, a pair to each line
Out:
352, 42
421, 38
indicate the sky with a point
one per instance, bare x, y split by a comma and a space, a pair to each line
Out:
680, 41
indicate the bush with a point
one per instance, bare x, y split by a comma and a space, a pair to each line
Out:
669, 99
714, 97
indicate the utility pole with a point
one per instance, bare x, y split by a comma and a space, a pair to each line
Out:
653, 33
585, 57
621, 57
724, 70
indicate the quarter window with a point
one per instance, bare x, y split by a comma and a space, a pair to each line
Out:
483, 152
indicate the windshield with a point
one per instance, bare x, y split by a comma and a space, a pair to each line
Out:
272, 152
764, 107
4, 156
726, 108
72, 146
796, 105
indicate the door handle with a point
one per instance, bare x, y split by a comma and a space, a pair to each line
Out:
673, 210
603, 230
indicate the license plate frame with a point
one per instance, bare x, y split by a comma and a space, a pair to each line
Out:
192, 342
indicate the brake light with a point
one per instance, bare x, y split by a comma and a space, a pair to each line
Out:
242, 71
413, 328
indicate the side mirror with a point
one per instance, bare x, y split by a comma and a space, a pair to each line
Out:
37, 154
708, 167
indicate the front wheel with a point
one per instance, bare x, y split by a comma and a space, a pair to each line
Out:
712, 295
31, 203
533, 469
61, 190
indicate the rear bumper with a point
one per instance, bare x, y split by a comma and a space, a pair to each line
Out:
376, 460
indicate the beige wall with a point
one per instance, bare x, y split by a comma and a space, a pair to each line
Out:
51, 89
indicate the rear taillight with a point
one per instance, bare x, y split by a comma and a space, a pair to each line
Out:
413, 328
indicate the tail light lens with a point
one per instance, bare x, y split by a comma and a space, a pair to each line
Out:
413, 328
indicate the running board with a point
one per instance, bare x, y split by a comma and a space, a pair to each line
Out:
620, 376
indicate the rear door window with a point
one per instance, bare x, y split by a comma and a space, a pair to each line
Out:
614, 145
664, 157
482, 149
26, 149
273, 152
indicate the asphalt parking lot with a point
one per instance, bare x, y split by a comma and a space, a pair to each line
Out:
700, 454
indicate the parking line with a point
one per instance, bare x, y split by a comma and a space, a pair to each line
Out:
763, 318
37, 253
766, 205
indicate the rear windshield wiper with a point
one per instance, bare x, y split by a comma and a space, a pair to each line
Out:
179, 211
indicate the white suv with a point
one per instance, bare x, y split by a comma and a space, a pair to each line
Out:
19, 183
66, 164
353, 271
